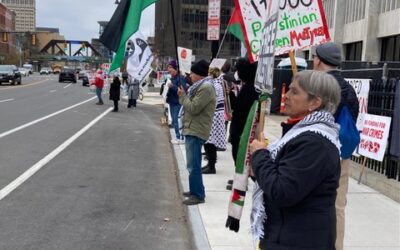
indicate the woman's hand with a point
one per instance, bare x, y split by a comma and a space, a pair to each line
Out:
257, 144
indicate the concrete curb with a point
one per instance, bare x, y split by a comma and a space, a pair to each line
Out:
196, 226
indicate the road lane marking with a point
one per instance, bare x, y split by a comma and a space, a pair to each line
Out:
8, 100
67, 86
43, 118
25, 85
53, 90
36, 167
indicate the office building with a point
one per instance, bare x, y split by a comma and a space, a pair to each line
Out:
191, 30
25, 13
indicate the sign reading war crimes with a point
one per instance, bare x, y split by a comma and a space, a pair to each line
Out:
265, 68
374, 136
301, 25
254, 15
213, 23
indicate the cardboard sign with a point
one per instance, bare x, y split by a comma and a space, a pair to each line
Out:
361, 86
374, 136
265, 68
217, 63
185, 59
213, 22
301, 24
253, 18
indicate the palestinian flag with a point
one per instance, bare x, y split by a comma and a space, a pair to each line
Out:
234, 26
123, 24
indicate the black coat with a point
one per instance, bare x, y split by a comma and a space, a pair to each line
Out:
115, 90
241, 106
299, 193
348, 96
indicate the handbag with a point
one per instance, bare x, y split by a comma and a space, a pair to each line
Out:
349, 135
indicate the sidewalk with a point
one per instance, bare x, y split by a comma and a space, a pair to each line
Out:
373, 220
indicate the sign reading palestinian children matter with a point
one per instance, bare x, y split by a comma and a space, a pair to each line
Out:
361, 87
185, 60
301, 24
253, 18
374, 136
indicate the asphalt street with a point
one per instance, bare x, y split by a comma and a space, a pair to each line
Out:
76, 176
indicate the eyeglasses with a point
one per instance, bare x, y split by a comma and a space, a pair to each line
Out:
314, 56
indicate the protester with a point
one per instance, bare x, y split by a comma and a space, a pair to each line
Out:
328, 58
173, 100
295, 189
241, 103
99, 83
217, 139
115, 92
198, 105
133, 92
227, 82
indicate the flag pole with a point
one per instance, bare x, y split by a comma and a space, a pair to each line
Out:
174, 27
222, 42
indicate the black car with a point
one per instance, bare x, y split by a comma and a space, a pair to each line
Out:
67, 75
10, 73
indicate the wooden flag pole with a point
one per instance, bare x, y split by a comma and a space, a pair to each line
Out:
362, 169
293, 62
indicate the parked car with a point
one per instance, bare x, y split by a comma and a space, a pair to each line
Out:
67, 75
10, 73
23, 71
45, 71
29, 67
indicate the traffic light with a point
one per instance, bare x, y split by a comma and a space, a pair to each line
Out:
5, 37
33, 39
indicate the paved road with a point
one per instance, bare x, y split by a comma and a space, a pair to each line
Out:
104, 180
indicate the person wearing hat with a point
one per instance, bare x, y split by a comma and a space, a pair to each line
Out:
198, 106
328, 58
173, 99
99, 83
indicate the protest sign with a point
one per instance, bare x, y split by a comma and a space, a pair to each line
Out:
301, 24
185, 59
374, 136
361, 87
217, 63
253, 16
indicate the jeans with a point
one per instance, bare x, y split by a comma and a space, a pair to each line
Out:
174, 114
98, 93
193, 146
131, 103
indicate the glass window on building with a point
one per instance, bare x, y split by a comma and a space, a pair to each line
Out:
390, 48
354, 51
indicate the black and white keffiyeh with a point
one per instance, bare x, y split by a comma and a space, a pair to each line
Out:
320, 122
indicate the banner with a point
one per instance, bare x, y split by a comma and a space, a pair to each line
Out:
265, 68
253, 16
361, 87
374, 136
213, 22
185, 60
139, 57
301, 24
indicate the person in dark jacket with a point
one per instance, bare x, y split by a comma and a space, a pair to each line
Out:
328, 58
173, 99
241, 104
115, 92
295, 189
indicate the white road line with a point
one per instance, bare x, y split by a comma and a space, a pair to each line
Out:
32, 170
67, 86
53, 90
43, 118
8, 100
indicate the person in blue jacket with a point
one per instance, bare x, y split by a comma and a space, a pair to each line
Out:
177, 80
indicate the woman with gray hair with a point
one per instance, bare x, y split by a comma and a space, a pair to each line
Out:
297, 176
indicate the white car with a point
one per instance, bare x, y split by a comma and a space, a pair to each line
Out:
23, 71
45, 71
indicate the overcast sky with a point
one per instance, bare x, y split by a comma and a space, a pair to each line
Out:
77, 19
